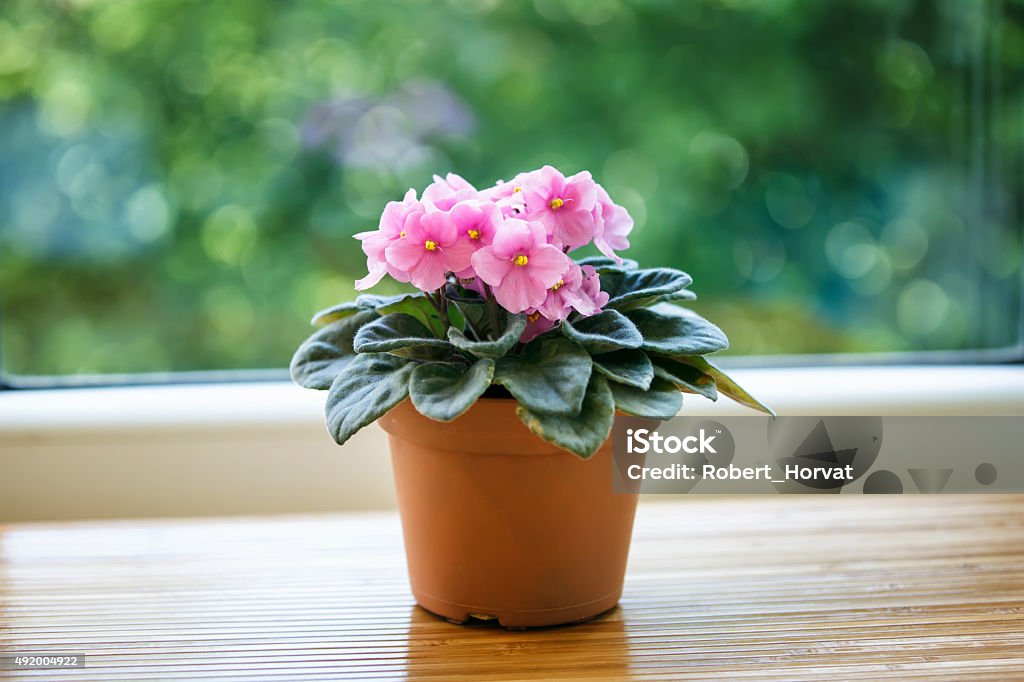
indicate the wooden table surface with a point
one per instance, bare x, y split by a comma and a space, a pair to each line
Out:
903, 587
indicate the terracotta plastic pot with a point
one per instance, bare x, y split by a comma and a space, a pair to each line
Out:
500, 524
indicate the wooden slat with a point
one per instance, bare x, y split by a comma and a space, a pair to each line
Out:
794, 588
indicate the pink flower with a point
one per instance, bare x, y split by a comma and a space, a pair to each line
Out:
445, 192
613, 225
591, 289
500, 190
478, 221
536, 324
520, 265
563, 205
564, 295
508, 196
375, 242
430, 247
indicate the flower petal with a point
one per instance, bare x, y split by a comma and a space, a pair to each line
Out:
514, 238
489, 267
546, 265
553, 307
440, 228
430, 273
459, 255
377, 270
574, 227
581, 191
405, 253
604, 247
519, 290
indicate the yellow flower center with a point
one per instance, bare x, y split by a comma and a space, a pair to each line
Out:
516, 190
473, 234
430, 245
402, 233
558, 285
521, 260
556, 204
533, 317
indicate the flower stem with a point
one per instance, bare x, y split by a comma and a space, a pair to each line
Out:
469, 326
441, 312
442, 309
492, 309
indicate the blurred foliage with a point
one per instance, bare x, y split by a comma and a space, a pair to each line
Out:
179, 180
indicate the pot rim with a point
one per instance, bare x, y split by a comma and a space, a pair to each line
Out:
490, 426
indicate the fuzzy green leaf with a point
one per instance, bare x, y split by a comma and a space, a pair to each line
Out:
685, 377
475, 316
375, 302
631, 289
662, 401
337, 312
456, 292
606, 331
417, 306
604, 264
372, 384
549, 376
443, 391
681, 295
724, 383
400, 334
673, 330
630, 367
491, 349
582, 434
327, 352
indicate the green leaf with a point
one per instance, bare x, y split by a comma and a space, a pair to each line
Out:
637, 288
417, 306
681, 295
375, 301
685, 377
473, 308
604, 264
327, 352
491, 349
349, 308
549, 376
335, 313
475, 316
582, 434
401, 334
455, 292
372, 384
676, 331
724, 383
443, 391
662, 401
630, 367
606, 331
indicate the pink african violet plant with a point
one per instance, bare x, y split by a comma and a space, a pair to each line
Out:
502, 307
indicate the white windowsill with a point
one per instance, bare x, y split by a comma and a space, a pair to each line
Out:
263, 448
985, 389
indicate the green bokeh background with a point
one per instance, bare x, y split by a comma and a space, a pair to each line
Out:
179, 181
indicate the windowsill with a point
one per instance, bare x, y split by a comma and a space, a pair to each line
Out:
926, 389
244, 448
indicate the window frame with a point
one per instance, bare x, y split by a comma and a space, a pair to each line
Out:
1012, 355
